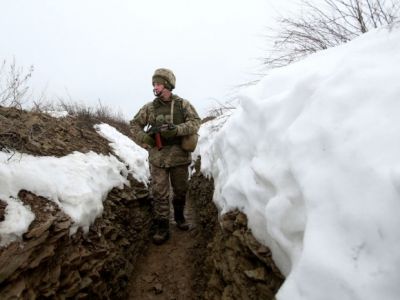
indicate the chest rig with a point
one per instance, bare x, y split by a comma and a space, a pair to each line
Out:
165, 113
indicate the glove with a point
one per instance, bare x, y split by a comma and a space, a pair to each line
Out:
170, 132
148, 140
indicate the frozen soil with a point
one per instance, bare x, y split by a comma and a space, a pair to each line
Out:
40, 134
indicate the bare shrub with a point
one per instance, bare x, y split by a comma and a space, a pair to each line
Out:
326, 25
42, 103
220, 108
43, 106
89, 115
106, 114
14, 92
14, 84
207, 119
76, 109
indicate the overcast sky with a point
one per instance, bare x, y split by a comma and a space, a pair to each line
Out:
108, 50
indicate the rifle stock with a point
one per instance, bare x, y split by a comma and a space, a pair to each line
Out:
156, 130
157, 137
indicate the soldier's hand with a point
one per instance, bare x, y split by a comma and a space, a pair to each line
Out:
169, 132
148, 140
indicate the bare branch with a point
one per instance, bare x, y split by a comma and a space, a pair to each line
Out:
14, 84
329, 24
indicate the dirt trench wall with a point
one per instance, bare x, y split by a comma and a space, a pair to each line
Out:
51, 264
236, 265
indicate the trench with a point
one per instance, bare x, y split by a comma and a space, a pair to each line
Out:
215, 259
176, 269
218, 258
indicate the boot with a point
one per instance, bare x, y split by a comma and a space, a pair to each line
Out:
180, 218
162, 233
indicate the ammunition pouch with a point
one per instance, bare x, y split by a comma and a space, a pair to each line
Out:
189, 142
171, 141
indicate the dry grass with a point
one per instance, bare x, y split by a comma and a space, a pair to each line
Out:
89, 115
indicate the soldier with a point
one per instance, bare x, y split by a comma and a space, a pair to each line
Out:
171, 118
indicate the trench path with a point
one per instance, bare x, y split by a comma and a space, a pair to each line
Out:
165, 271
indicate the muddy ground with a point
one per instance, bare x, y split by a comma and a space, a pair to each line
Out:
166, 271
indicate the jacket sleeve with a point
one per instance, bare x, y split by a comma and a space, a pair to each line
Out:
192, 120
138, 123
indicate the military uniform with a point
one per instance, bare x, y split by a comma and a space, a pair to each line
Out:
170, 164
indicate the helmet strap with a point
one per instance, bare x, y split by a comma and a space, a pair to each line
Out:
159, 93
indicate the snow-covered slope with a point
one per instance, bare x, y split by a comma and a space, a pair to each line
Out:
134, 156
78, 182
312, 156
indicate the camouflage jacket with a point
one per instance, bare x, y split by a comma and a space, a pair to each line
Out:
186, 120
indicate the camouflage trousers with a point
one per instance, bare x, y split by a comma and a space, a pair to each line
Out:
167, 182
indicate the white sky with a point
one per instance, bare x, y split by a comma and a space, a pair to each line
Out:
110, 49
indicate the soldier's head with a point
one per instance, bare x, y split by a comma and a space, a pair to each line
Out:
163, 79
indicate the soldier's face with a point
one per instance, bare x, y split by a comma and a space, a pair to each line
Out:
158, 89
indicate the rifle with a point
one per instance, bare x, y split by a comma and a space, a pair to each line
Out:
156, 131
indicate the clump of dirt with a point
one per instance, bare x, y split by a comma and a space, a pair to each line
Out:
3, 206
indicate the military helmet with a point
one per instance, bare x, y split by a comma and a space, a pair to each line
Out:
165, 77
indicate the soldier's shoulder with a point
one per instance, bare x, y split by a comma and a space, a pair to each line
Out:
185, 102
145, 110
187, 105
148, 106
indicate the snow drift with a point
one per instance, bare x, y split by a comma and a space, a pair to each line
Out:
78, 183
134, 156
311, 155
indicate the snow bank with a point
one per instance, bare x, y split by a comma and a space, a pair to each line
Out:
204, 148
312, 157
133, 155
78, 183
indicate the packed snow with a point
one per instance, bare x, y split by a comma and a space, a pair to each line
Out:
128, 151
78, 183
311, 155
57, 113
